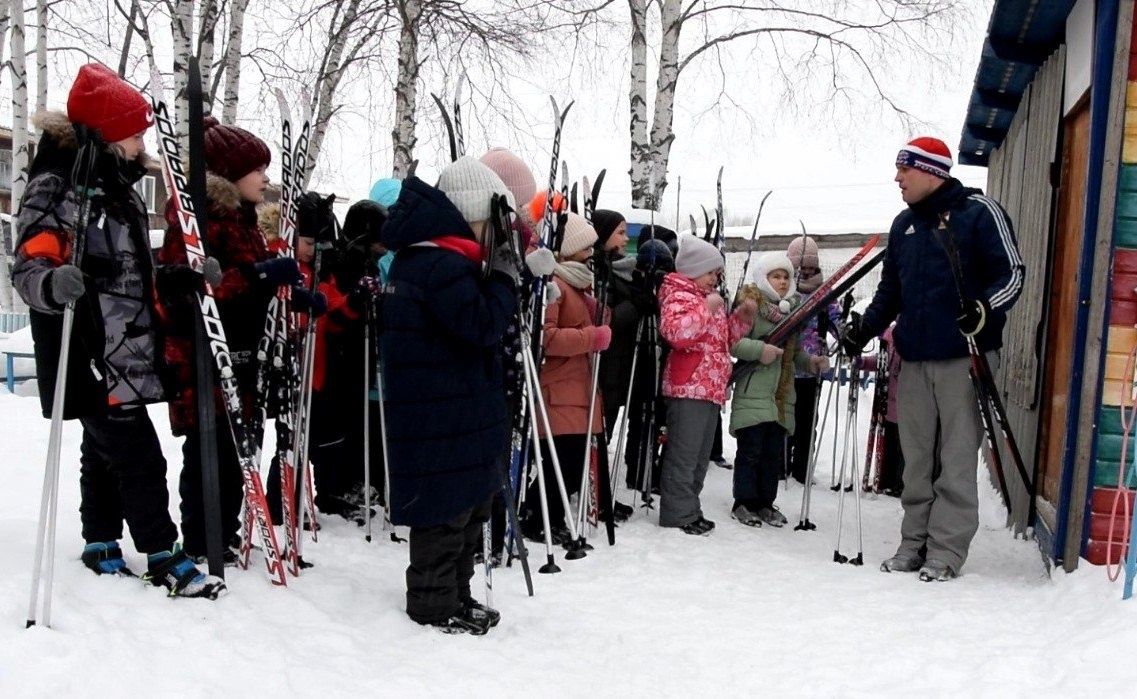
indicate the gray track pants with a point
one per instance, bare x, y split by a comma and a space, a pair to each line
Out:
941, 505
690, 435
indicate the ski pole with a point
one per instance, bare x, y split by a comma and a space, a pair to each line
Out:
367, 329
807, 491
543, 413
550, 562
625, 415
82, 177
849, 456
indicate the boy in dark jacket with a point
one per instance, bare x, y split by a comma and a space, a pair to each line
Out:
115, 355
445, 404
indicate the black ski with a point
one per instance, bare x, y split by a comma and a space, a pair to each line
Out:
203, 370
753, 243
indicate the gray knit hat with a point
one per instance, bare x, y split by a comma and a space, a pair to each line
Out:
697, 257
469, 185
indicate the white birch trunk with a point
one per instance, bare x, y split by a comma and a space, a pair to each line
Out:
7, 235
663, 116
640, 171
205, 49
41, 55
19, 118
403, 137
232, 61
329, 79
181, 27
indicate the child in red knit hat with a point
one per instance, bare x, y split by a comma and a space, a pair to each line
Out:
115, 354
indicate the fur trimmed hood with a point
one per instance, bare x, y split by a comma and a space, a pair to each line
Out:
59, 128
222, 193
268, 219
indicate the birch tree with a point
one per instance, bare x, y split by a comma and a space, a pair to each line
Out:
231, 64
206, 40
41, 55
847, 49
354, 40
403, 135
19, 72
6, 232
181, 30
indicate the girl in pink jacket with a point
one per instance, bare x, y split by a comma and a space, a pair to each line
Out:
694, 322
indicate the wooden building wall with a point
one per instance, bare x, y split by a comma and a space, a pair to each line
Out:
1114, 480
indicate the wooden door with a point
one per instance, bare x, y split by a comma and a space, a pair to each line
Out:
1063, 306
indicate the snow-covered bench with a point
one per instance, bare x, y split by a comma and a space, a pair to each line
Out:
17, 346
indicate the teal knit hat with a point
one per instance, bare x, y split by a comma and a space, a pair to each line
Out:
386, 191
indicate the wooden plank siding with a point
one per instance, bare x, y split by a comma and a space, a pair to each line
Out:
1019, 178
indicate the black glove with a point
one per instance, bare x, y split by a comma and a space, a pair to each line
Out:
279, 271
505, 261
64, 284
972, 316
854, 336
304, 301
366, 289
643, 301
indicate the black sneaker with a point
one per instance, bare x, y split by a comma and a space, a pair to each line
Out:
700, 527
461, 622
722, 463
621, 512
936, 571
480, 612
772, 516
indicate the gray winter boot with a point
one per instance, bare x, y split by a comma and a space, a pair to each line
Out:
936, 571
900, 563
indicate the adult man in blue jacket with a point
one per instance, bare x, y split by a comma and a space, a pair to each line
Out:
940, 429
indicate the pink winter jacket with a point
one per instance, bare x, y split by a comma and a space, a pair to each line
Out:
699, 365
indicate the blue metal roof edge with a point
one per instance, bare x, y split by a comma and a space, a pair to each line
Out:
1020, 36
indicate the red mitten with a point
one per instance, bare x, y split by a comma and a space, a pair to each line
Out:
601, 338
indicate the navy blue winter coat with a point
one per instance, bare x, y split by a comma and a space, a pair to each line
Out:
442, 322
917, 284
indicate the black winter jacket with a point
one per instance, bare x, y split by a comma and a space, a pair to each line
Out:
917, 283
442, 375
116, 349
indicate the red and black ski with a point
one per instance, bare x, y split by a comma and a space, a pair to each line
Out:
838, 283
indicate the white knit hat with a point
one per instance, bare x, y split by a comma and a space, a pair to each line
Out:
579, 234
696, 257
513, 172
766, 263
470, 185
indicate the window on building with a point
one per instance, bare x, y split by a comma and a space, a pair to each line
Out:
6, 169
145, 189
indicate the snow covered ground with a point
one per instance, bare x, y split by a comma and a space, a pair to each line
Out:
761, 611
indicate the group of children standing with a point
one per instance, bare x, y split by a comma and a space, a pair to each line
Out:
452, 285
